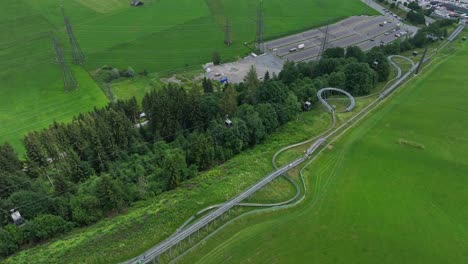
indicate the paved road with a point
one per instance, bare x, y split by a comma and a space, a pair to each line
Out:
296, 38
380, 9
363, 31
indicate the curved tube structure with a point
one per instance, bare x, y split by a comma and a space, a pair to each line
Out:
328, 106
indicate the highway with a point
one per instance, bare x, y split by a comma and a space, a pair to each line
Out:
380, 9
366, 32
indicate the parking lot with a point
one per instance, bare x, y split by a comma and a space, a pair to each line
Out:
236, 71
363, 31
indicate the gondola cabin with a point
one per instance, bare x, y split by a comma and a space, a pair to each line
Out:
17, 218
228, 122
307, 106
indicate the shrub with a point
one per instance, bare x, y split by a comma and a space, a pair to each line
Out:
7, 243
45, 226
129, 72
115, 74
216, 58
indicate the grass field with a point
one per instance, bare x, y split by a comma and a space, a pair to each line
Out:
31, 89
161, 36
138, 87
374, 199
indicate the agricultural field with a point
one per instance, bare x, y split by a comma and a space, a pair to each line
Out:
162, 36
31, 89
392, 189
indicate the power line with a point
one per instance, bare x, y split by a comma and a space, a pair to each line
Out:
260, 28
324, 42
421, 61
227, 32
69, 81
77, 53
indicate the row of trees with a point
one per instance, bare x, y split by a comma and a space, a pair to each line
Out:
415, 16
76, 173
350, 69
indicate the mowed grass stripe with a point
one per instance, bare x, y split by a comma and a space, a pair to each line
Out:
104, 6
387, 202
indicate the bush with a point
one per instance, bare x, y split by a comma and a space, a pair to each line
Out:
129, 72
216, 58
7, 243
416, 17
85, 209
45, 226
337, 52
414, 6
115, 74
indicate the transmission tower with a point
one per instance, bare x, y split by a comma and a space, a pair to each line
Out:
421, 61
324, 43
69, 81
77, 55
260, 27
227, 31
